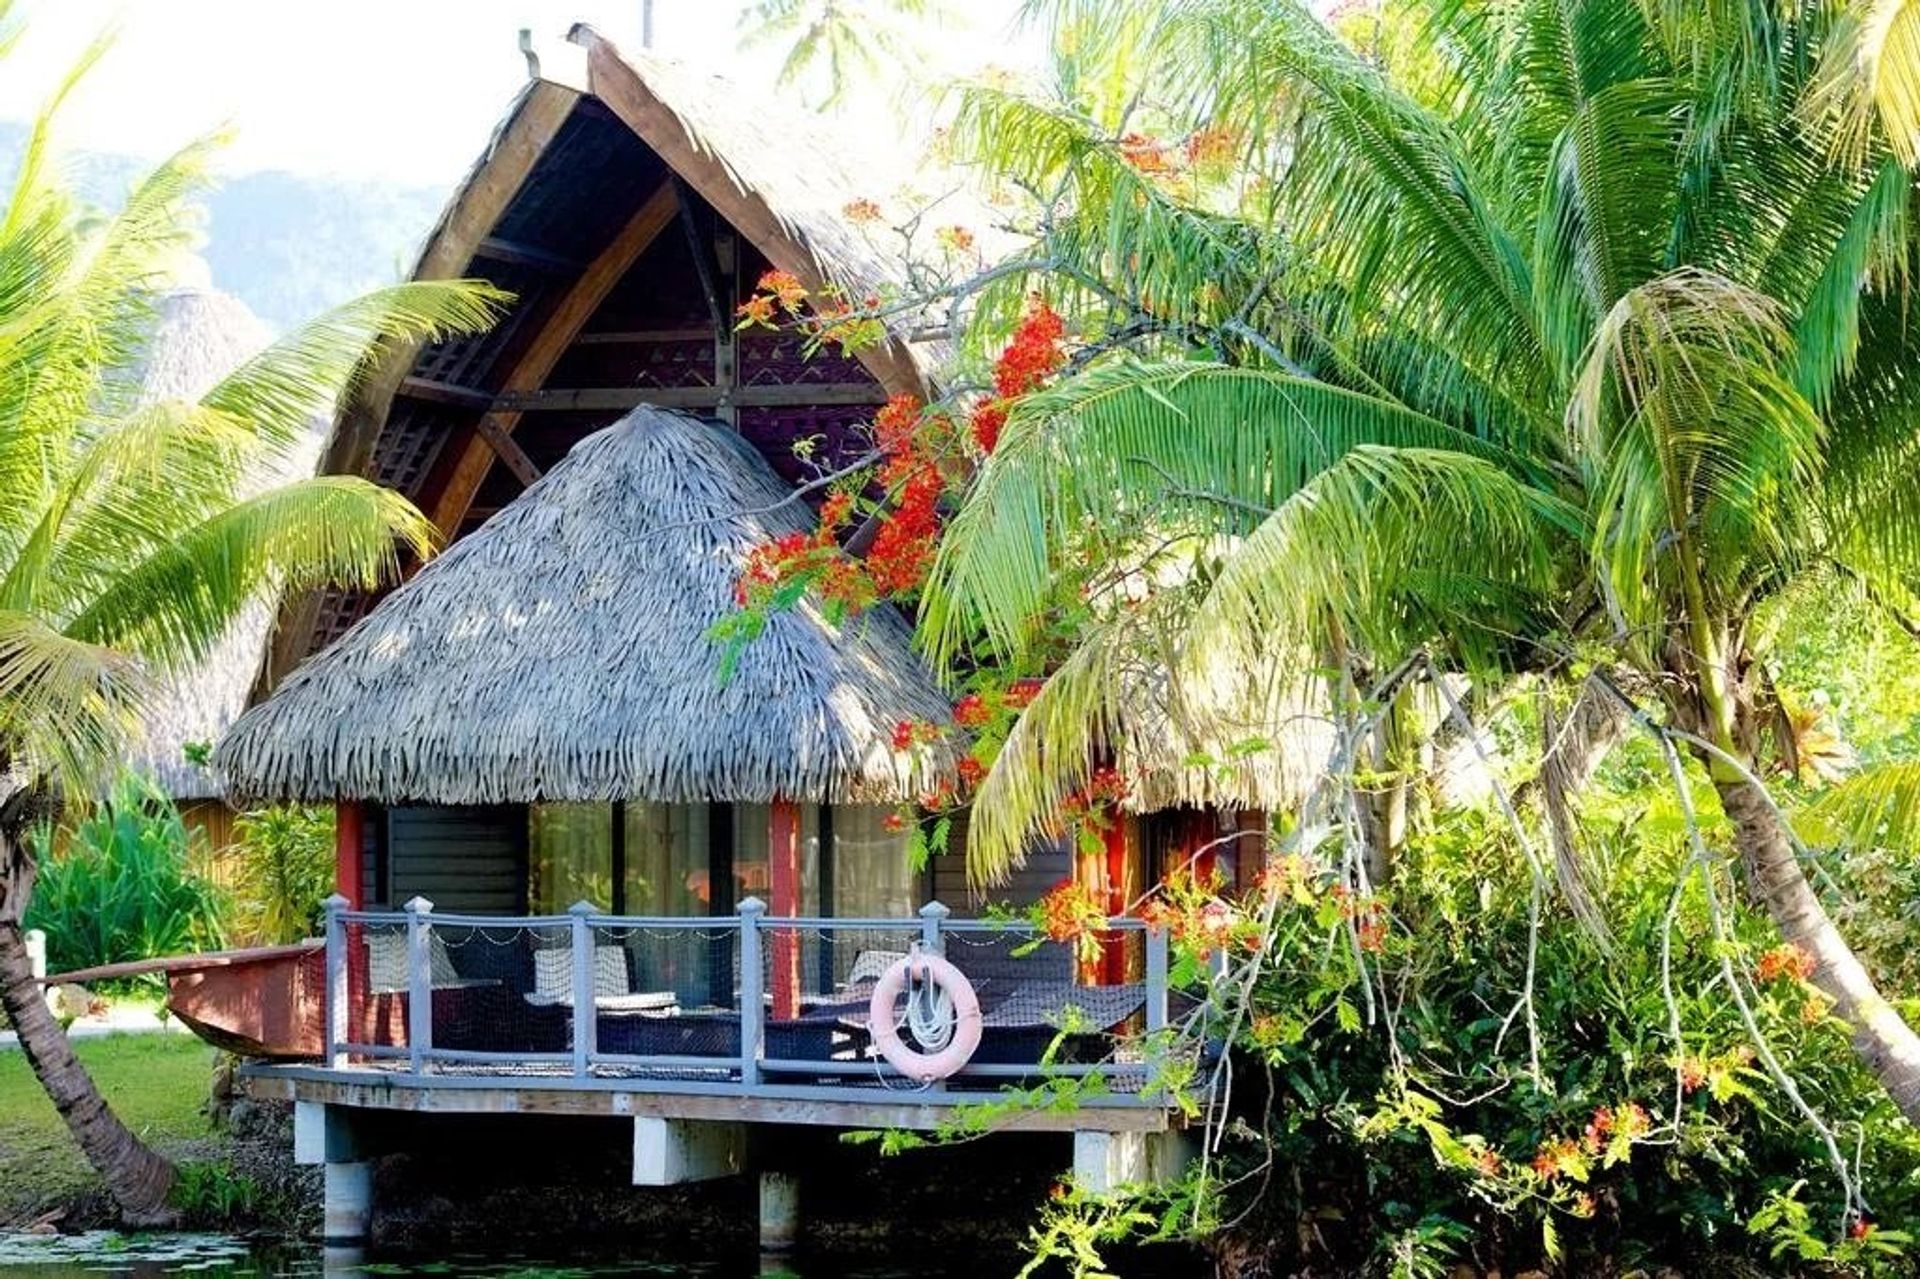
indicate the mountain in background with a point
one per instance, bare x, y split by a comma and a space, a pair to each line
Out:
288, 246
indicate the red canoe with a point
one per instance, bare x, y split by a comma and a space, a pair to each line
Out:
268, 1002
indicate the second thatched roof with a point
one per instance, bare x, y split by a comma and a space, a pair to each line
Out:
561, 652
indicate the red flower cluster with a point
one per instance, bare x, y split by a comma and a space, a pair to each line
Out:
1629, 1123
1144, 153
909, 733
972, 771
861, 210
1104, 791
1021, 692
1032, 356
1074, 913
1785, 960
902, 551
972, 711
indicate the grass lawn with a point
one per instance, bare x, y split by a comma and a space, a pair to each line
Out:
157, 1084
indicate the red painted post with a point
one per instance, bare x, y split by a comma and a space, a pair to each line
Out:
783, 886
1113, 945
349, 881
348, 832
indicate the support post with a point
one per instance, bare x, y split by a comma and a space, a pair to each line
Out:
347, 1215
1156, 979
932, 916
753, 1011
349, 833
779, 1211
585, 1023
336, 1027
419, 983
783, 881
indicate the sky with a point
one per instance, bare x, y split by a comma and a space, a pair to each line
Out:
393, 90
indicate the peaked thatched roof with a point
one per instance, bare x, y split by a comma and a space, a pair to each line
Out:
561, 652
199, 336
794, 170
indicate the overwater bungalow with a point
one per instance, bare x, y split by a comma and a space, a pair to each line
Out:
579, 870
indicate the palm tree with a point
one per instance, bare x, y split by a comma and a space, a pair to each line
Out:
1530, 336
126, 544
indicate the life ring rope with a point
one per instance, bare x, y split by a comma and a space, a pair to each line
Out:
939, 999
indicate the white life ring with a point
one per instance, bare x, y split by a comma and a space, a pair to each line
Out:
965, 1018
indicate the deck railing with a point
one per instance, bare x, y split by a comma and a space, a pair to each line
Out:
739, 1003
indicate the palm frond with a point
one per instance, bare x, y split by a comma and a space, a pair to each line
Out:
1402, 548
279, 391
171, 607
1867, 89
1152, 448
1877, 806
66, 706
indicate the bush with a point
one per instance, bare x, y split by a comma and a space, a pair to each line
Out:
117, 884
1416, 1112
285, 872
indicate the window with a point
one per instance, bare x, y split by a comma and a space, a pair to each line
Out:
570, 856
667, 853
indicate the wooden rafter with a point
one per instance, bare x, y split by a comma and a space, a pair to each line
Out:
557, 332
620, 87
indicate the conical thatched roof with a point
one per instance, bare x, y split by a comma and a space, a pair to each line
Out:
561, 652
199, 336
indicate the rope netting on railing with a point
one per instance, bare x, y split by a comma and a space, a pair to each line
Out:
740, 1000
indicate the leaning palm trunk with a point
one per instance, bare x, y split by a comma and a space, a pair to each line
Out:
138, 1179
1886, 1045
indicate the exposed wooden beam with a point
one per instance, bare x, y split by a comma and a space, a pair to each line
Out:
530, 128
460, 397
594, 399
556, 333
512, 455
636, 337
609, 398
619, 86
496, 249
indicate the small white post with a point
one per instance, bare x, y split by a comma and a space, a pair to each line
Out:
932, 915
336, 906
585, 1024
753, 1013
419, 983
37, 961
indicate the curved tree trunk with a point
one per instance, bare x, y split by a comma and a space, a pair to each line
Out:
1886, 1044
138, 1179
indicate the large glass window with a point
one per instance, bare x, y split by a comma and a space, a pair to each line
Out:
570, 856
752, 871
871, 876
668, 847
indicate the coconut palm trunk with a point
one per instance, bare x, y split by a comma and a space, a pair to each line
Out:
1887, 1046
138, 1178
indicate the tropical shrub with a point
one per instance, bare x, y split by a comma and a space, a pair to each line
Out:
284, 860
117, 883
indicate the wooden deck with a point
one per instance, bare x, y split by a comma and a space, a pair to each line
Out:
798, 1104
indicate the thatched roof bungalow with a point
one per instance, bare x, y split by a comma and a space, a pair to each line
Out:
630, 213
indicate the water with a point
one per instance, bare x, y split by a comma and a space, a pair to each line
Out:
97, 1253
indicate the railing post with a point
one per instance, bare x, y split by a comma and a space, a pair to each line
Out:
753, 1013
1156, 980
932, 915
335, 1033
419, 982
586, 1024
